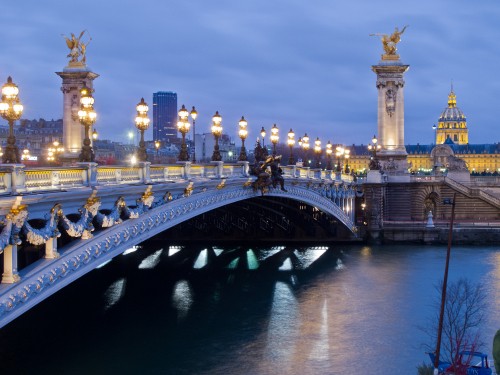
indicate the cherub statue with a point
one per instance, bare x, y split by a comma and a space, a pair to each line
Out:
389, 41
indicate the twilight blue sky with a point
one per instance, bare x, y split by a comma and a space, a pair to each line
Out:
300, 64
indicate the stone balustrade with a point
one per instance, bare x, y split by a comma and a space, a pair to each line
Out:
16, 178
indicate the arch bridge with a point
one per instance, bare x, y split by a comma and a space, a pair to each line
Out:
82, 216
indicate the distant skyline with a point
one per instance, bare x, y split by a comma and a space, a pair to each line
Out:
301, 65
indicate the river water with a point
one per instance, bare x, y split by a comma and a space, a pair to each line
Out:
351, 309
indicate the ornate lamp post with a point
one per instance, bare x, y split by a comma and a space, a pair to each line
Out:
305, 146
340, 152
157, 147
317, 151
263, 135
183, 126
26, 154
54, 152
274, 137
291, 143
217, 132
194, 114
142, 123
243, 133
373, 148
11, 110
87, 117
329, 151
347, 154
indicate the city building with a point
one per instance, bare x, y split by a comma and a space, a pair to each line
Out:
451, 138
165, 116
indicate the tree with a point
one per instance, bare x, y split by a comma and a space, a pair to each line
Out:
463, 316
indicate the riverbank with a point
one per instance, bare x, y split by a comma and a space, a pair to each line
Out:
462, 235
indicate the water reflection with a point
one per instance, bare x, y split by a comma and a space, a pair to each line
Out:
345, 310
114, 293
182, 298
281, 332
151, 261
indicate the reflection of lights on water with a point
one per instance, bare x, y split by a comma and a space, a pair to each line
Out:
114, 293
253, 263
201, 261
151, 261
340, 265
283, 326
233, 264
287, 265
182, 298
131, 250
264, 254
366, 251
310, 255
104, 263
173, 249
321, 350
218, 251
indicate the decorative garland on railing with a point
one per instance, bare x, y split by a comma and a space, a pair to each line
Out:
39, 236
14, 222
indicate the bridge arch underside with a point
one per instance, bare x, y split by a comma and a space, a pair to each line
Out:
45, 277
266, 218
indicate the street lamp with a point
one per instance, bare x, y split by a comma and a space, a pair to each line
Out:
347, 154
373, 148
291, 143
329, 151
54, 151
243, 133
340, 152
183, 126
157, 147
142, 123
87, 117
94, 134
11, 110
305, 146
263, 135
217, 132
317, 150
26, 154
274, 138
194, 114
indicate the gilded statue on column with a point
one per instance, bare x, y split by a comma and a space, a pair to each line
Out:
77, 49
389, 43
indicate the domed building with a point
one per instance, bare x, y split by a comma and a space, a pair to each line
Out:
451, 140
452, 124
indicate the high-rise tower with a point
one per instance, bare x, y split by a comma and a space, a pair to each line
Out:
165, 116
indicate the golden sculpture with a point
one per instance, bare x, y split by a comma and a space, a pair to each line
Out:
77, 48
389, 43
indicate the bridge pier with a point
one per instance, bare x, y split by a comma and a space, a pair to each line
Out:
10, 275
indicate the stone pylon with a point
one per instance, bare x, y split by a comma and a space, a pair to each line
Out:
390, 85
73, 77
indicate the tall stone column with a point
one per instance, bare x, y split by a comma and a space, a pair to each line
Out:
390, 85
73, 79
74, 75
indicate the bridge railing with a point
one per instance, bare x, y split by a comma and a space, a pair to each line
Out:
15, 178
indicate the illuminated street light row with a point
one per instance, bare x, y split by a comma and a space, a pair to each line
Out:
11, 110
